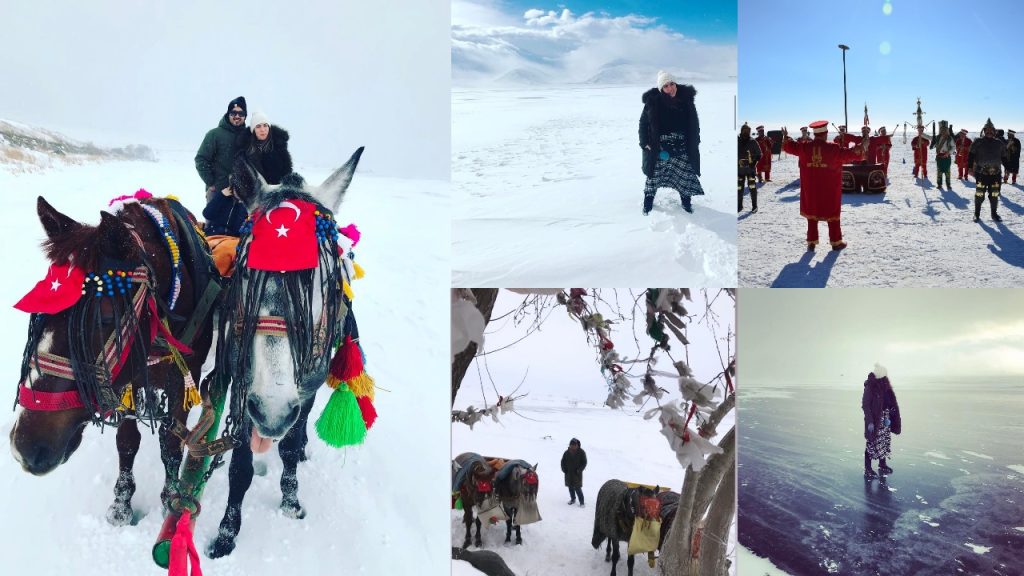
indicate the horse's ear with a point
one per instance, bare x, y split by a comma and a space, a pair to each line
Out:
54, 223
332, 191
535, 466
114, 237
246, 183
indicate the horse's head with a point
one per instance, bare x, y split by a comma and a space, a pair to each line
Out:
66, 382
287, 319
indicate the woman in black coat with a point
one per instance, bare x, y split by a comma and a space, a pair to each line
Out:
265, 149
881, 420
670, 139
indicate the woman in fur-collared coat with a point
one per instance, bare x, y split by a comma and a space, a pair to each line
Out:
670, 140
881, 420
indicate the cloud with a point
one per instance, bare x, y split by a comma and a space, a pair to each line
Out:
981, 333
561, 47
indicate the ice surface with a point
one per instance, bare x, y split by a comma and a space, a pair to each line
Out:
977, 455
547, 190
900, 238
387, 495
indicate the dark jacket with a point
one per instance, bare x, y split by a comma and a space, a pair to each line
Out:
878, 396
572, 466
986, 155
1011, 155
273, 163
217, 153
664, 115
748, 153
224, 215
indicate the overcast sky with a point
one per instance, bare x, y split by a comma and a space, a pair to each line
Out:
614, 41
562, 364
834, 337
337, 75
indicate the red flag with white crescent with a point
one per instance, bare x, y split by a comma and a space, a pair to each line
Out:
59, 290
284, 238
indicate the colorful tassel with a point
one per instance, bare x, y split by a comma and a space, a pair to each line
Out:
359, 270
192, 397
128, 398
347, 290
341, 423
351, 232
369, 412
361, 385
350, 361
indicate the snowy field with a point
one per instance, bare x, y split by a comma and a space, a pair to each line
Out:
953, 504
914, 235
374, 509
547, 190
619, 444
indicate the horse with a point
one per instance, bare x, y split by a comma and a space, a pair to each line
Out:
473, 479
140, 273
614, 515
276, 347
669, 504
516, 484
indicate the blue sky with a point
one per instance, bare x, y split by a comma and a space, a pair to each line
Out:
961, 58
712, 21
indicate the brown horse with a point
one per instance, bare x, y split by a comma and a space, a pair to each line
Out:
71, 372
473, 478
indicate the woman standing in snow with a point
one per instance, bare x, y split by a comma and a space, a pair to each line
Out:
881, 420
670, 139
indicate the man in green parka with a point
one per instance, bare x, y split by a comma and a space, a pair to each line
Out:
217, 152
574, 460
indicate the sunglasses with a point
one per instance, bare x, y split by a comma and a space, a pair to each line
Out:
236, 113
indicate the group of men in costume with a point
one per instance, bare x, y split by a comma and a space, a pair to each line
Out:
991, 158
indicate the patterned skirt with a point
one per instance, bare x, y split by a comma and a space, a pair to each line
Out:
881, 446
675, 172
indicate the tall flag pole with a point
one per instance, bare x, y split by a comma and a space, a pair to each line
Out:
846, 119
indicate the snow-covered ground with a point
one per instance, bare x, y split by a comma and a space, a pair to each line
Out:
619, 444
547, 190
374, 509
914, 235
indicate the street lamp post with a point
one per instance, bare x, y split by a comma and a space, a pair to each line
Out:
846, 119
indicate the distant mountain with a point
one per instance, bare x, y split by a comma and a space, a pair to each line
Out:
524, 77
29, 149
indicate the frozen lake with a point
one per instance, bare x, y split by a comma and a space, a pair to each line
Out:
954, 504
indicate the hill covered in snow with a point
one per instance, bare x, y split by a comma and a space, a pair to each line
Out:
29, 149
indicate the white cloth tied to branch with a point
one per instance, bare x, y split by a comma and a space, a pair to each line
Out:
690, 451
467, 326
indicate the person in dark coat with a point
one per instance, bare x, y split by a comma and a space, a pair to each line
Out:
574, 460
1011, 157
881, 420
748, 153
216, 156
670, 140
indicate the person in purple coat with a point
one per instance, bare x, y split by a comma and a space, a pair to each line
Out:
881, 421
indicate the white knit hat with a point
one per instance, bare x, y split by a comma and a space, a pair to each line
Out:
258, 118
664, 78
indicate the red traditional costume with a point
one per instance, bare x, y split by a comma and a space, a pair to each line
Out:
920, 145
963, 147
821, 166
879, 148
764, 165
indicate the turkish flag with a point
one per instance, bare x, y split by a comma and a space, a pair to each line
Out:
284, 238
59, 290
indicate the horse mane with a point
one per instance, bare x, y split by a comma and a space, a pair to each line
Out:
87, 245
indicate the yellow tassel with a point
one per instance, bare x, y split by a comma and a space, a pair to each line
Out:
172, 197
128, 398
359, 270
362, 385
348, 290
192, 397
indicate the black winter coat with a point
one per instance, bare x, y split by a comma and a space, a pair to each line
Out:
224, 215
666, 115
273, 164
748, 154
572, 466
878, 396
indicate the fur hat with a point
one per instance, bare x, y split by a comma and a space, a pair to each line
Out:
240, 102
880, 371
258, 118
574, 441
665, 78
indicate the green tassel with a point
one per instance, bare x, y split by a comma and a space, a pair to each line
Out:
341, 423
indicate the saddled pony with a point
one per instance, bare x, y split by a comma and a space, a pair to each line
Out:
669, 504
278, 329
614, 516
104, 357
516, 484
473, 479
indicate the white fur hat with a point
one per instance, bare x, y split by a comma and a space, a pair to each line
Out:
880, 371
258, 118
664, 78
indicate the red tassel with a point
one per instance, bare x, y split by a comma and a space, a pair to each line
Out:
369, 412
183, 549
348, 361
